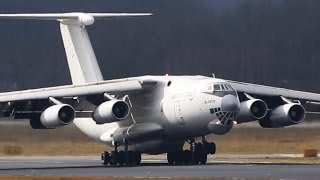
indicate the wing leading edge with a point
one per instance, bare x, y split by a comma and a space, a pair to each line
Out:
268, 91
71, 91
22, 104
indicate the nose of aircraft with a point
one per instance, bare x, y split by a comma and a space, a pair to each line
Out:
230, 103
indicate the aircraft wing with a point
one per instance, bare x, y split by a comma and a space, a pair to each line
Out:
274, 95
22, 104
75, 15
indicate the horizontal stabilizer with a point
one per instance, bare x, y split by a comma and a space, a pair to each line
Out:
76, 15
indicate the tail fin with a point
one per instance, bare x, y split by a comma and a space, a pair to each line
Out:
81, 58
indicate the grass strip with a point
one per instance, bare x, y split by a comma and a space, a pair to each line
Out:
241, 140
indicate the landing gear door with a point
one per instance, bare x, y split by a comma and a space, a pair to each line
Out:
178, 113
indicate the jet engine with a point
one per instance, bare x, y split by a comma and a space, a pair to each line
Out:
54, 116
111, 111
251, 110
285, 115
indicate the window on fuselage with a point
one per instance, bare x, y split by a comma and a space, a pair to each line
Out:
222, 87
230, 87
217, 87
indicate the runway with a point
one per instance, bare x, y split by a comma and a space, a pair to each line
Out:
91, 166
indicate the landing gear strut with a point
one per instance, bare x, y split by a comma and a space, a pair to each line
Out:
121, 158
196, 155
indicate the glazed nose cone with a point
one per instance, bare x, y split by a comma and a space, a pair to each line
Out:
230, 103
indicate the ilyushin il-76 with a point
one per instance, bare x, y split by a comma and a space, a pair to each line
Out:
146, 114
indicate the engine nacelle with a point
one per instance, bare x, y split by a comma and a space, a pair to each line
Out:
285, 115
251, 110
57, 115
111, 111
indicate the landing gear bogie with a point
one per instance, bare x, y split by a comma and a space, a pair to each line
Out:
198, 154
121, 158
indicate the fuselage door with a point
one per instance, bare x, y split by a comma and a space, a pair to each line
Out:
178, 113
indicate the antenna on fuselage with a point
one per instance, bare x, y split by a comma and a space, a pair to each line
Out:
213, 75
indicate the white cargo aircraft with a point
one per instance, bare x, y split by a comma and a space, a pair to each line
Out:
146, 114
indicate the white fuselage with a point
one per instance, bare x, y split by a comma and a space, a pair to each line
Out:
179, 104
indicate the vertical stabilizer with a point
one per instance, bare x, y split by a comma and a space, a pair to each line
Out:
82, 61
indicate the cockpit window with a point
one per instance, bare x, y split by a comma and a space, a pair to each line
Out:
217, 87
230, 87
227, 87
222, 87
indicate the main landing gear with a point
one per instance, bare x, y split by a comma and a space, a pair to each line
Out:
121, 158
196, 155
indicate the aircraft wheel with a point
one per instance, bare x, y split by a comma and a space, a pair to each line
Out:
203, 157
206, 147
179, 157
121, 156
212, 147
105, 158
187, 156
130, 157
209, 148
113, 158
194, 157
137, 158
170, 158
198, 152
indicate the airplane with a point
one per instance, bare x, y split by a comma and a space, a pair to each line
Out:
147, 114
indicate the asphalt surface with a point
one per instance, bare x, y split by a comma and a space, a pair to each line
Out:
91, 166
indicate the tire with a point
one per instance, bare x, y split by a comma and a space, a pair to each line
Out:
114, 158
105, 158
203, 157
137, 158
198, 152
170, 158
187, 157
178, 156
130, 157
206, 147
194, 154
198, 147
121, 158
212, 147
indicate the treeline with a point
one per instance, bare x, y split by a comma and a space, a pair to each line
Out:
273, 42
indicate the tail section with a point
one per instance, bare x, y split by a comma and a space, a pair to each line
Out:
81, 58
82, 61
